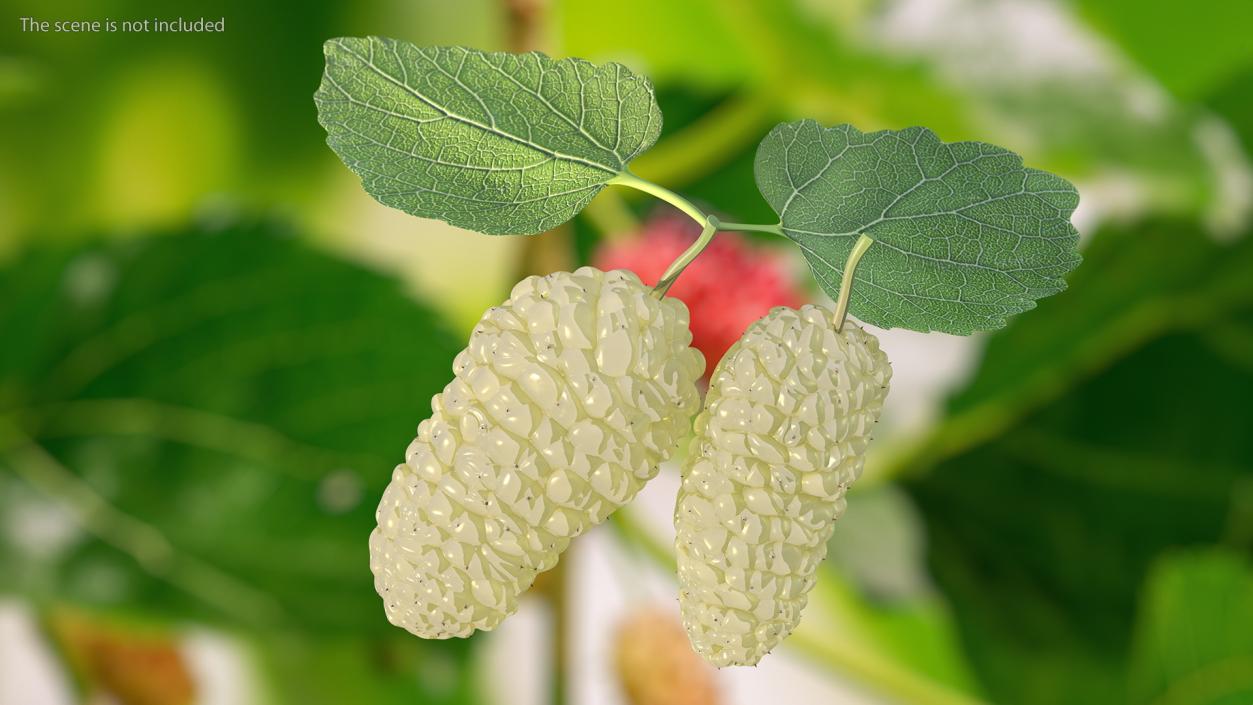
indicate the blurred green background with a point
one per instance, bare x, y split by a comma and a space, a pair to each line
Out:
214, 347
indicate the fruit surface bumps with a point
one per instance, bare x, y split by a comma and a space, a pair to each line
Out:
788, 415
568, 397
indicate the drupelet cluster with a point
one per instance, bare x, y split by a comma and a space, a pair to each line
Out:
786, 422
566, 401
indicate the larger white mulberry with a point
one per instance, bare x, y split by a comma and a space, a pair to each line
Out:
787, 417
568, 397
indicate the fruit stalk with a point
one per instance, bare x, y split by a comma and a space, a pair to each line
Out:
689, 255
846, 280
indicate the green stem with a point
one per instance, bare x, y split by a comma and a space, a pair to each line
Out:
630, 180
678, 265
776, 229
846, 281
708, 223
626, 178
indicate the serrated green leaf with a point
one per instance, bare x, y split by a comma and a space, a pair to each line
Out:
495, 142
965, 235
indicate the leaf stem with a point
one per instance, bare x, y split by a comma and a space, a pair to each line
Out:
708, 223
679, 264
773, 229
846, 281
626, 178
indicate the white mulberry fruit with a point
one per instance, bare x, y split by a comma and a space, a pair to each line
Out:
787, 418
568, 397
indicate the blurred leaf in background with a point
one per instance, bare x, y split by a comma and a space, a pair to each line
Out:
1187, 51
194, 427
1043, 532
1194, 640
395, 669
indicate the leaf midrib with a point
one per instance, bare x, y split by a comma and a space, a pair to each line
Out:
457, 117
796, 234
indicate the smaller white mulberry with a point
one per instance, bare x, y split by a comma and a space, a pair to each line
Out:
787, 418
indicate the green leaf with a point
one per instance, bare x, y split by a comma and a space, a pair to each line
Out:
965, 235
1233, 101
1041, 537
879, 552
1059, 475
1194, 642
206, 419
495, 142
1189, 52
388, 669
